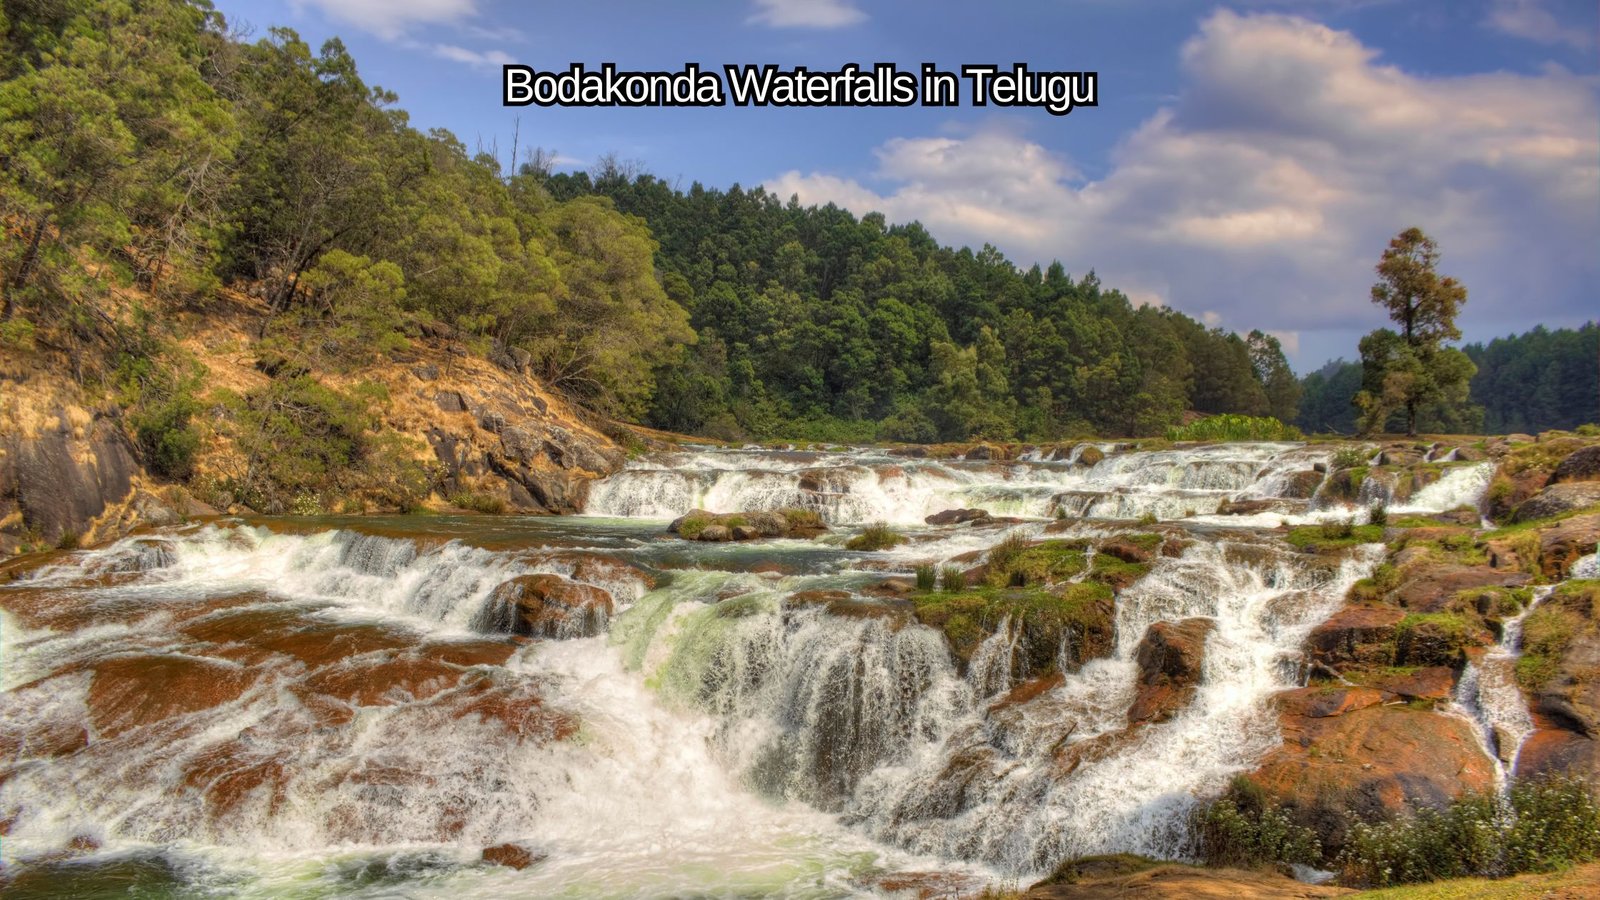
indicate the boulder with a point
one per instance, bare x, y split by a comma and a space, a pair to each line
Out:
1356, 635
716, 533
1171, 659
957, 516
549, 606
1565, 542
514, 856
1301, 485
1347, 757
1120, 547
1557, 751
1429, 587
982, 452
1091, 456
1556, 499
1582, 464
1399, 456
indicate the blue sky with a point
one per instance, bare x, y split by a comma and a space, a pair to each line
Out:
1247, 163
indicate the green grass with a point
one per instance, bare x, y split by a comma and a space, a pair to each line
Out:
927, 576
952, 578
877, 536
1314, 537
802, 518
1235, 428
968, 616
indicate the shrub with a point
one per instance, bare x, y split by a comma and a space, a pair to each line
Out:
488, 504
1557, 824
1543, 824
1350, 458
1464, 839
69, 540
953, 579
1148, 519
1234, 427
927, 577
1245, 829
1338, 529
877, 536
1378, 514
1004, 556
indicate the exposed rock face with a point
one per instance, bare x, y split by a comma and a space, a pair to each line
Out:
64, 479
1582, 464
495, 430
1346, 757
550, 606
1556, 499
1171, 661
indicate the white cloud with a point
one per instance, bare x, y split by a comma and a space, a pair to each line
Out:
1266, 192
1529, 19
806, 13
391, 19
472, 57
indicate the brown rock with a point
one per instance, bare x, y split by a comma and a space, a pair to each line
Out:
956, 516
1326, 702
1366, 763
1431, 587
136, 691
1360, 635
515, 856
1171, 659
1563, 543
1126, 550
1556, 751
549, 606
1582, 464
1428, 683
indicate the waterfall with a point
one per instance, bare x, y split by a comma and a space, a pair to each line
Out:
997, 791
326, 709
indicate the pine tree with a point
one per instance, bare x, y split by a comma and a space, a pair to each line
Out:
1412, 371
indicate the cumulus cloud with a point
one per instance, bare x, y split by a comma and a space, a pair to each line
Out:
1529, 19
1264, 195
806, 13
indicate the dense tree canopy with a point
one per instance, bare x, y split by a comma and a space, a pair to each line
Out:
815, 322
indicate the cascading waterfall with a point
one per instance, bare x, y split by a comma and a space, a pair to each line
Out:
274, 710
1077, 780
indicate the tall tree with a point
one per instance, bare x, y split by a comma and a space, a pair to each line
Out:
1277, 379
1412, 371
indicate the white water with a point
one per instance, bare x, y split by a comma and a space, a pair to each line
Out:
728, 741
1489, 697
866, 486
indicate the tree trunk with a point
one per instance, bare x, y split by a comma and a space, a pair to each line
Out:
1411, 418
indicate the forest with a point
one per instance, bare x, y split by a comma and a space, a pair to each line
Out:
146, 147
